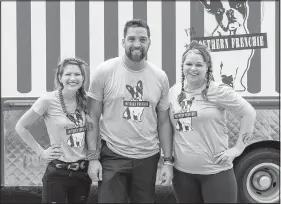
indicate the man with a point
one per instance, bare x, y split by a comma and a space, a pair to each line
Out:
131, 94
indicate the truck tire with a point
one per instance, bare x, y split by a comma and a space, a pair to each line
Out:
257, 174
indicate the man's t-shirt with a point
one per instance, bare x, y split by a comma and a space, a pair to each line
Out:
200, 127
60, 129
130, 99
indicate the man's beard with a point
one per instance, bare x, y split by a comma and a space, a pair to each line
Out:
135, 58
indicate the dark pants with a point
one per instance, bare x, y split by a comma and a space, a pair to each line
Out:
127, 180
65, 186
213, 188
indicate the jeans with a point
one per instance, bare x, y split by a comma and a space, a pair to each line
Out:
65, 186
126, 179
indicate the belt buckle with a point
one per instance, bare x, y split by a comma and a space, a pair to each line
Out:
60, 166
83, 165
74, 166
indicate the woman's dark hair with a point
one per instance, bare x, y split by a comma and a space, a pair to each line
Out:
136, 23
81, 94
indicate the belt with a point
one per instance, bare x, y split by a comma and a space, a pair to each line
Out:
75, 166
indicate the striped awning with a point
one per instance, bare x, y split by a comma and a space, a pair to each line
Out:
35, 35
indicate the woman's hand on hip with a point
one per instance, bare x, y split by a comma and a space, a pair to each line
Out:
53, 152
227, 156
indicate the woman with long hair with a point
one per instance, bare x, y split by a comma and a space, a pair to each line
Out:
203, 169
65, 114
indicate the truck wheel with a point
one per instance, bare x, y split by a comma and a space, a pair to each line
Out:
257, 174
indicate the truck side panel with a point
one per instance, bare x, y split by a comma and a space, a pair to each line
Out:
23, 168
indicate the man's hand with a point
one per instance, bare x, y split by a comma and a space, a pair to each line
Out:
166, 175
95, 170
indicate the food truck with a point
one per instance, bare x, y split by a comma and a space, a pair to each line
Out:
243, 37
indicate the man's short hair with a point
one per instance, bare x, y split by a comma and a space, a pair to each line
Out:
136, 23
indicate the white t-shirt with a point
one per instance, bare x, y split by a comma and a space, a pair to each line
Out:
199, 137
60, 129
130, 99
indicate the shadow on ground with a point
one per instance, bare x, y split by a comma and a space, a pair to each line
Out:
33, 194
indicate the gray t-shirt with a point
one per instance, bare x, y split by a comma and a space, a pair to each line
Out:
60, 129
130, 99
198, 138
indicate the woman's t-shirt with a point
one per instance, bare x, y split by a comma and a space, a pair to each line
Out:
61, 130
200, 127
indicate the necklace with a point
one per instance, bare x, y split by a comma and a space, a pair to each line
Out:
68, 115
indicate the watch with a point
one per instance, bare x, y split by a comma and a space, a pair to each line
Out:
169, 159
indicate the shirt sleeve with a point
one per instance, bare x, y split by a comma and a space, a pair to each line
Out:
170, 96
163, 104
228, 98
41, 105
96, 87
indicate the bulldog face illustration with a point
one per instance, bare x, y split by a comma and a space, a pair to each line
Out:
79, 120
184, 124
186, 104
231, 17
134, 113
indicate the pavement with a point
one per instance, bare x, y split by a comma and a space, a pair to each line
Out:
28, 194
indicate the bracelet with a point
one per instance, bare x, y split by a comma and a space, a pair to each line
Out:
92, 155
168, 163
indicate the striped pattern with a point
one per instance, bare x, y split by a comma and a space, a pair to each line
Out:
52, 41
254, 72
36, 35
23, 10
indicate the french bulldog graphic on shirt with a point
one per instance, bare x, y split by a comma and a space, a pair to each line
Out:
135, 105
184, 117
77, 134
